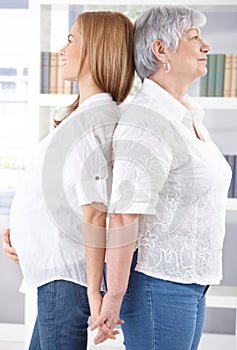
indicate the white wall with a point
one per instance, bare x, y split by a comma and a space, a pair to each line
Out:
11, 300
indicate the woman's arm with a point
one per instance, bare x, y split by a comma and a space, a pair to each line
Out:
120, 248
94, 236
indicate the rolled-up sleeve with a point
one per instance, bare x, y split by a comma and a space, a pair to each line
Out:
89, 168
142, 161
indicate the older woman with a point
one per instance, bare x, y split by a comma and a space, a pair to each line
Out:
175, 192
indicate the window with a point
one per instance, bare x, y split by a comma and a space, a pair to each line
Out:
14, 133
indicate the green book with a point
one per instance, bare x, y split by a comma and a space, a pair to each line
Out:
220, 64
204, 81
211, 75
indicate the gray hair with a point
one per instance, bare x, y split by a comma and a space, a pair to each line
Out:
165, 23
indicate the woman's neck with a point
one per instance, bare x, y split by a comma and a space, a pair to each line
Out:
173, 85
87, 88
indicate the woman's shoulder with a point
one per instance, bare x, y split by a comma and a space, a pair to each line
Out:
98, 114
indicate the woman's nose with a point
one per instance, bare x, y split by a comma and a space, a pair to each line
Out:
61, 52
206, 48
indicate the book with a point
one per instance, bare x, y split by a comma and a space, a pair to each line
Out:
227, 75
204, 81
67, 87
45, 63
60, 80
233, 78
72, 16
75, 87
53, 72
235, 178
211, 75
219, 80
231, 161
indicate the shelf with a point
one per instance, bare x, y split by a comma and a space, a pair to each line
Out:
47, 100
222, 296
138, 2
217, 341
232, 204
12, 332
217, 102
205, 102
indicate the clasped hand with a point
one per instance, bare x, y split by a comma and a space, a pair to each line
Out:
105, 316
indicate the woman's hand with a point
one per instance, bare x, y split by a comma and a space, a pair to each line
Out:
95, 301
108, 319
120, 246
9, 251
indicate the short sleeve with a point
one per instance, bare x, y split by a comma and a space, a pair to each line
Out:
88, 167
142, 161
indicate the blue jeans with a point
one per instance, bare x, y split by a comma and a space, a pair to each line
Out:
62, 320
162, 315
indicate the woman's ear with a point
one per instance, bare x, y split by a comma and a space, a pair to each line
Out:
159, 50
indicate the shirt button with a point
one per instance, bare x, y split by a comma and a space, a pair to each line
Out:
97, 178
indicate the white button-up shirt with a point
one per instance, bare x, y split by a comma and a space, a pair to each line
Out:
69, 168
177, 181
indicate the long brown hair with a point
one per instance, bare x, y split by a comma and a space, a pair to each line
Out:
108, 44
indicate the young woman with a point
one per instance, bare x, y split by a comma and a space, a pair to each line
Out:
58, 215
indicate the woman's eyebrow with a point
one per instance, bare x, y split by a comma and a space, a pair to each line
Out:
196, 29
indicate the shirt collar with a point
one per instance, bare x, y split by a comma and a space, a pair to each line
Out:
194, 107
166, 104
94, 100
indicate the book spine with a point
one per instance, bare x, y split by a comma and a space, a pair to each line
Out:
231, 161
75, 88
220, 62
67, 87
227, 75
72, 16
53, 72
45, 64
204, 81
60, 80
234, 175
233, 84
211, 76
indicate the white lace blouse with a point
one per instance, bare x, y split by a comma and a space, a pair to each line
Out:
177, 181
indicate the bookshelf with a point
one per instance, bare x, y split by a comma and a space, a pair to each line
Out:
41, 104
46, 102
232, 204
221, 77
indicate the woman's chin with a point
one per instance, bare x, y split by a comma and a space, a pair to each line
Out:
204, 72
